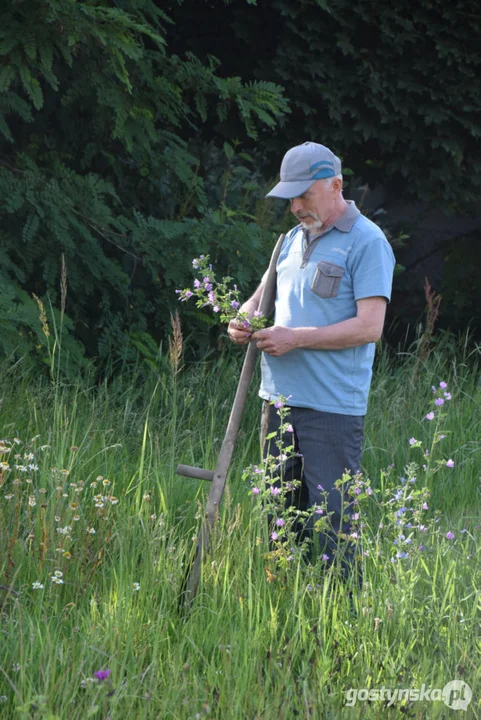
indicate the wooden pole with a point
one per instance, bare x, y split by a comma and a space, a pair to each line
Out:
266, 306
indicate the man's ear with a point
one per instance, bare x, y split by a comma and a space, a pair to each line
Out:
337, 185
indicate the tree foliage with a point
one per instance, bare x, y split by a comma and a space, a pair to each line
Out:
394, 88
100, 163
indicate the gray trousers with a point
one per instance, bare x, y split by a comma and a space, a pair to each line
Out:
328, 444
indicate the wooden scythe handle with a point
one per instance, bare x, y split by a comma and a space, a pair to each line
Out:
266, 306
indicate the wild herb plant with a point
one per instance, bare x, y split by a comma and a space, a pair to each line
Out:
218, 295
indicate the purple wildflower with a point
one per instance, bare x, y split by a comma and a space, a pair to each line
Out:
188, 293
102, 674
278, 404
255, 491
290, 428
319, 487
443, 385
402, 555
216, 308
275, 491
274, 536
430, 416
450, 535
235, 304
325, 557
425, 506
439, 402
447, 396
450, 463
412, 441
280, 522
257, 313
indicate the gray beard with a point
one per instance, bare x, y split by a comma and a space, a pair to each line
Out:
316, 225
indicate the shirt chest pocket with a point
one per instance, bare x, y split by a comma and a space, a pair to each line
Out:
327, 279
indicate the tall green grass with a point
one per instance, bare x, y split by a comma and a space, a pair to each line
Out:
258, 642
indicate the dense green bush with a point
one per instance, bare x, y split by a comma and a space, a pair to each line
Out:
94, 168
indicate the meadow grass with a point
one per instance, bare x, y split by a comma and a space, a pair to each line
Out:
108, 529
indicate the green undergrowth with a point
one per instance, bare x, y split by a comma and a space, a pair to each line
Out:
97, 532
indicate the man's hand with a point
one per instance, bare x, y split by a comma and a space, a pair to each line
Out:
276, 340
238, 332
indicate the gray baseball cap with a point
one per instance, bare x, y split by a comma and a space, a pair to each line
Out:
302, 166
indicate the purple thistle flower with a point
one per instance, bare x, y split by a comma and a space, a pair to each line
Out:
430, 416
450, 463
102, 674
443, 385
280, 522
450, 535
439, 402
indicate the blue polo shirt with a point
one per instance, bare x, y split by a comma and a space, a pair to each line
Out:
319, 281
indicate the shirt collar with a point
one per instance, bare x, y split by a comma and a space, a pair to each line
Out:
343, 223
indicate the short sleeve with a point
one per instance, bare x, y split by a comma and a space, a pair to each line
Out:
371, 264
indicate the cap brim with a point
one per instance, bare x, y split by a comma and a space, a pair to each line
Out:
289, 190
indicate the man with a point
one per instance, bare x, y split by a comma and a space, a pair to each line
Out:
334, 278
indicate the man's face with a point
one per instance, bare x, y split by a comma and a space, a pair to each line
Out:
315, 206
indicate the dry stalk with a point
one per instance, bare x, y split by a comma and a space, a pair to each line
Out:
175, 344
433, 302
63, 285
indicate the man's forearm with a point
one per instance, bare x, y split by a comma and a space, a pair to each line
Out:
346, 334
